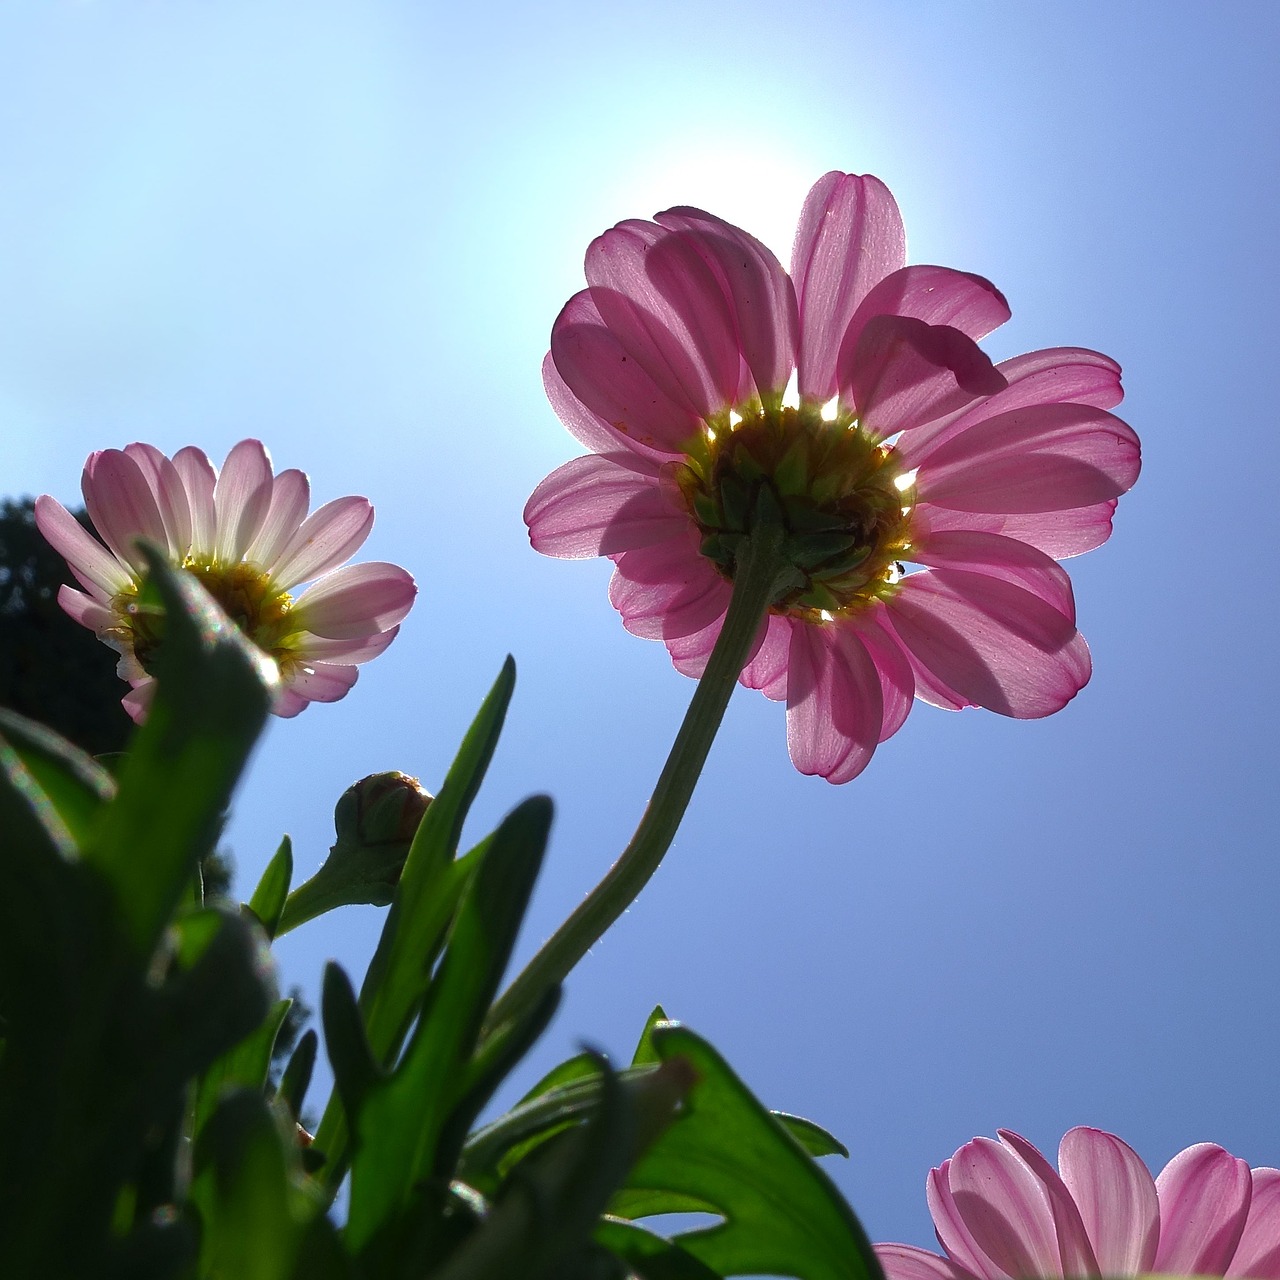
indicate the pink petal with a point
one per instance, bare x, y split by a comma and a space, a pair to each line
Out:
1074, 1249
321, 682
661, 299
758, 289
767, 671
356, 601
137, 702
1116, 1197
1057, 375
902, 372
1006, 1209
170, 495
835, 709
588, 427
906, 1262
92, 564
288, 703
1003, 558
668, 590
599, 506
1046, 458
1258, 1253
615, 386
1204, 1196
121, 505
897, 681
85, 610
988, 642
849, 238
241, 497
290, 498
199, 480
951, 1228
1059, 534
361, 649
938, 296
330, 535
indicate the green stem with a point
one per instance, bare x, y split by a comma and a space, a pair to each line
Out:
760, 573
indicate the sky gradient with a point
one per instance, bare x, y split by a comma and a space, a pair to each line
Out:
346, 229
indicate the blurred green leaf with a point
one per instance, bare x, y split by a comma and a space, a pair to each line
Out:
212, 700
254, 1220
781, 1214
74, 784
401, 1121
269, 897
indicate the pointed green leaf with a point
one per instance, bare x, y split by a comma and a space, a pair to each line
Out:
354, 1068
269, 897
402, 1119
244, 1067
297, 1074
650, 1256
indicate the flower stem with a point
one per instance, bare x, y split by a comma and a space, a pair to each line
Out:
760, 574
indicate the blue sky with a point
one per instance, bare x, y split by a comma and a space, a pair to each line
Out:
347, 228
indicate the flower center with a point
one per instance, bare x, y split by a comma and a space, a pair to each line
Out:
841, 497
244, 593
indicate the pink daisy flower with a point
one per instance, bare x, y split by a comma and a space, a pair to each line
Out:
1000, 1210
926, 493
246, 535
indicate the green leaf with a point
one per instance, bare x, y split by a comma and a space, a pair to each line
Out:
269, 897
254, 1223
781, 1214
297, 1074
402, 1119
212, 700
816, 1140
649, 1255
426, 897
244, 1067
354, 1067
75, 785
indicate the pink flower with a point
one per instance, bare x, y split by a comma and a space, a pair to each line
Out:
246, 536
926, 493
1000, 1210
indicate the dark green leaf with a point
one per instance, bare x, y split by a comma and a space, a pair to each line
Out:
244, 1067
297, 1075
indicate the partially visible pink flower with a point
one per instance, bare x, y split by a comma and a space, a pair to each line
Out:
926, 492
1001, 1210
246, 535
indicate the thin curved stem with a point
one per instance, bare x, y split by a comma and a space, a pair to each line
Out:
758, 574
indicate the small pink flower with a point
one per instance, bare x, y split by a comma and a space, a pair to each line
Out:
246, 535
926, 492
1000, 1210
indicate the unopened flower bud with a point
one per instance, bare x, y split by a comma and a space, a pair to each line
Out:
376, 820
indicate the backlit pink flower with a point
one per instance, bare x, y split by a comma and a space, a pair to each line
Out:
246, 535
1001, 1210
926, 492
